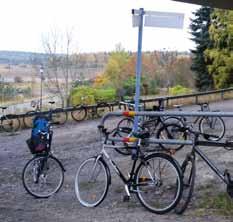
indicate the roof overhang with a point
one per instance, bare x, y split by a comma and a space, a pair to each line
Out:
224, 4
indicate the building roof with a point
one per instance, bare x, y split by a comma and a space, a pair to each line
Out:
224, 4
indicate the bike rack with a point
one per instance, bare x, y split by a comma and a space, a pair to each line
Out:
161, 113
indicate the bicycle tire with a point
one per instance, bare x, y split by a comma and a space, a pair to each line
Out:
212, 130
148, 188
28, 120
125, 123
170, 131
175, 120
188, 168
83, 181
10, 125
125, 149
60, 116
41, 175
102, 108
79, 114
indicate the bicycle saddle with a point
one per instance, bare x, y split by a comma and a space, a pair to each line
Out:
3, 107
51, 102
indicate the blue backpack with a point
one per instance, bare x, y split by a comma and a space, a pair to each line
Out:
39, 142
40, 124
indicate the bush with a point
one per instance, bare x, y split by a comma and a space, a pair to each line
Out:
179, 90
87, 95
82, 95
105, 95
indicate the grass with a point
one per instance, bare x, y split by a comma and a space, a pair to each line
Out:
221, 204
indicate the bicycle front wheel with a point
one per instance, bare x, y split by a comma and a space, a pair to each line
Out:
92, 182
188, 168
43, 176
10, 125
159, 183
214, 127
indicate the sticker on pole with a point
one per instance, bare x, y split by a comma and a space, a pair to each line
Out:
161, 19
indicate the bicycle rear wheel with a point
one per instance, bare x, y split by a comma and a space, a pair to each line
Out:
43, 176
159, 183
59, 116
79, 114
92, 182
10, 125
171, 131
28, 119
188, 168
213, 126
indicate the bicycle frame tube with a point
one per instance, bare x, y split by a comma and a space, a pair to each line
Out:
116, 169
210, 164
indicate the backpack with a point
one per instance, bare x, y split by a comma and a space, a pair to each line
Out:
39, 142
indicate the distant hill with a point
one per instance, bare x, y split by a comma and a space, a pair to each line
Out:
15, 57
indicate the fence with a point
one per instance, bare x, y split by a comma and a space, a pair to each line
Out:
194, 98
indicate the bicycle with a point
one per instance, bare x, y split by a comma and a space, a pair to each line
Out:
9, 122
59, 114
207, 125
43, 175
189, 166
125, 127
81, 111
156, 179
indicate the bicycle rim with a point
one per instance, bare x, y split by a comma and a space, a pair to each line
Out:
79, 114
159, 183
212, 126
10, 125
91, 182
42, 177
28, 120
171, 131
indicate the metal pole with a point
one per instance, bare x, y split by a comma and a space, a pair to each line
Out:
41, 84
138, 67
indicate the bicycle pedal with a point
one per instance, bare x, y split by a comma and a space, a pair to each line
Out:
126, 198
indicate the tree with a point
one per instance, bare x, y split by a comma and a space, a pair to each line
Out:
220, 56
200, 32
61, 66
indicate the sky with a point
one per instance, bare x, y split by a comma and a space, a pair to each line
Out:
97, 25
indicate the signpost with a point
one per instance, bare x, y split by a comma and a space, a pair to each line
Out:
152, 19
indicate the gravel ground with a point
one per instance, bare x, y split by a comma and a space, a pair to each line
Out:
73, 143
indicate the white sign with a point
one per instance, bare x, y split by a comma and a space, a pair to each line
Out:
161, 19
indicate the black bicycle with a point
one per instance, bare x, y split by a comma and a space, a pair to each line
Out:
58, 114
95, 111
43, 175
156, 179
189, 166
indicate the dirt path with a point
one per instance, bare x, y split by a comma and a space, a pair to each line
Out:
74, 143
